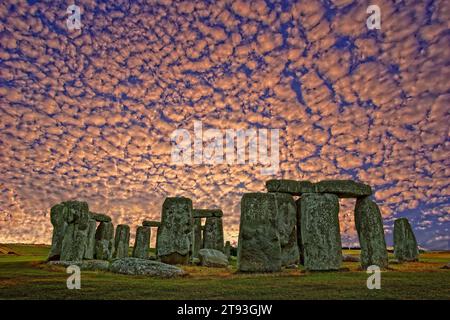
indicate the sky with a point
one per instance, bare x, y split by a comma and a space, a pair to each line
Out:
88, 114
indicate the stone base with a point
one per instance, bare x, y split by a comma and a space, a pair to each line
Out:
175, 258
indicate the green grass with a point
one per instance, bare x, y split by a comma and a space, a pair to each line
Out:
25, 276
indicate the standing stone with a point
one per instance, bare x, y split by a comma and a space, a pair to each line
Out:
227, 249
259, 248
74, 243
175, 237
197, 241
287, 230
59, 228
142, 243
369, 225
321, 237
104, 241
121, 241
90, 247
405, 243
213, 234
299, 233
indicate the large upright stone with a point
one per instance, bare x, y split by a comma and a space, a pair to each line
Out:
259, 248
343, 188
74, 243
320, 233
405, 243
142, 243
287, 229
197, 240
369, 225
104, 241
121, 241
213, 234
293, 187
90, 246
175, 235
299, 232
59, 223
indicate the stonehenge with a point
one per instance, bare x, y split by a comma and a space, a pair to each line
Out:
142, 243
405, 244
121, 241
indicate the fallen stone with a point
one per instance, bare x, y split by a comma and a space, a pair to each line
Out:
350, 258
175, 235
259, 248
369, 225
121, 241
142, 243
321, 238
197, 241
293, 187
212, 258
136, 266
59, 223
405, 243
343, 188
206, 213
90, 246
74, 243
213, 233
100, 217
104, 241
152, 224
287, 229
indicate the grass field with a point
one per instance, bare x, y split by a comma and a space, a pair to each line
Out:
25, 276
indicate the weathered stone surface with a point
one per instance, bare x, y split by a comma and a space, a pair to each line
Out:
121, 241
206, 213
136, 266
213, 234
259, 248
175, 235
74, 243
152, 224
343, 188
299, 233
350, 258
292, 187
142, 243
321, 238
287, 229
90, 245
197, 241
86, 265
369, 225
104, 241
405, 243
100, 217
227, 249
212, 258
59, 223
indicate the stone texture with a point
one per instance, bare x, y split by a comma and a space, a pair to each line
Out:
100, 217
197, 241
59, 223
86, 265
121, 241
206, 213
287, 229
74, 243
90, 246
227, 249
136, 266
212, 258
343, 188
175, 235
104, 241
152, 224
259, 248
213, 234
369, 225
292, 187
405, 243
321, 238
142, 243
299, 233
